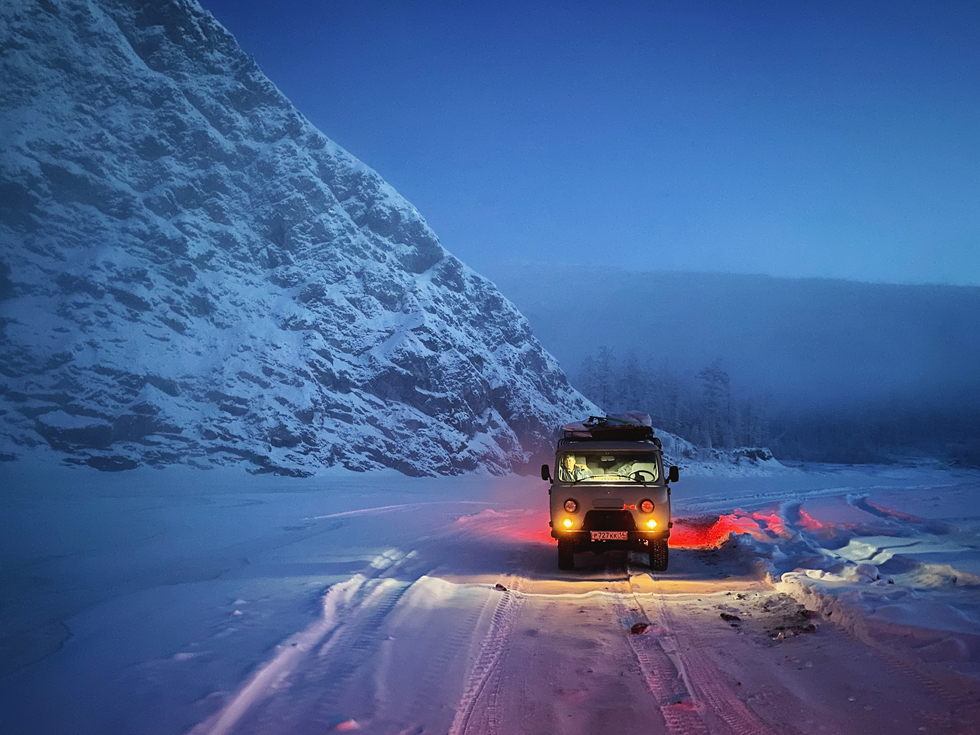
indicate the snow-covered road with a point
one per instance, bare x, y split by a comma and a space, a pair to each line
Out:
385, 604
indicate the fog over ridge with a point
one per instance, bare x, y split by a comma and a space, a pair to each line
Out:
804, 341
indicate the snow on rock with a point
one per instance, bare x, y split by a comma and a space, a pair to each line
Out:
191, 272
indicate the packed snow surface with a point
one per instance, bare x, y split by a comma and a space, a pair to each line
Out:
827, 599
190, 272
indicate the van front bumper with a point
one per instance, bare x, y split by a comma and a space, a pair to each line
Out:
634, 539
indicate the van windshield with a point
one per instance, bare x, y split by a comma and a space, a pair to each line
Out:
608, 467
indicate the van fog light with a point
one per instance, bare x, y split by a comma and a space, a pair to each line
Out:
651, 523
567, 523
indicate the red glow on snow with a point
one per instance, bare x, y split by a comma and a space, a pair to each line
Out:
771, 522
514, 525
892, 513
701, 533
808, 523
709, 532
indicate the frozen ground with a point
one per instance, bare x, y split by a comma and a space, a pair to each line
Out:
174, 601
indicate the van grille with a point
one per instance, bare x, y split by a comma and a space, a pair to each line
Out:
609, 520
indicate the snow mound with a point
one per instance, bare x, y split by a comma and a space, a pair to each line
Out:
906, 581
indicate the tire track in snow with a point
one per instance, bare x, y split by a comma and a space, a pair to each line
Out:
664, 680
483, 683
434, 676
713, 699
962, 703
316, 695
666, 684
292, 651
352, 610
378, 510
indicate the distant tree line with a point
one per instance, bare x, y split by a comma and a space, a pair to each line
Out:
704, 409
700, 408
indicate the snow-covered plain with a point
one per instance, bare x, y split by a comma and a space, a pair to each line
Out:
180, 600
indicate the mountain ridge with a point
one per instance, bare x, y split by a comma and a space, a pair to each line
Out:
191, 272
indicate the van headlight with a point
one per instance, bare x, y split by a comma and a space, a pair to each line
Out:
571, 506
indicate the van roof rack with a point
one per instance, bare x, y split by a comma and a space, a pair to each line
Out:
633, 426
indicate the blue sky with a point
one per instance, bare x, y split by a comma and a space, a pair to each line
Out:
831, 139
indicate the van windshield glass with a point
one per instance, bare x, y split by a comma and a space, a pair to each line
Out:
608, 467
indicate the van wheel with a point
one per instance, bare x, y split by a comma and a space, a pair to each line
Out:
658, 556
566, 554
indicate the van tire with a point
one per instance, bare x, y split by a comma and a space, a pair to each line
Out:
659, 556
566, 554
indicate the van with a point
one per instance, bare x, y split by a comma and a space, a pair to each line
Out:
609, 490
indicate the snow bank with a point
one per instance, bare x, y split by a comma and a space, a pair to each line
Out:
895, 563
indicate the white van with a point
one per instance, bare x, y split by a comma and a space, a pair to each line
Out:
609, 490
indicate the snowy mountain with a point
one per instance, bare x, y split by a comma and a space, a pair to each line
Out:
191, 272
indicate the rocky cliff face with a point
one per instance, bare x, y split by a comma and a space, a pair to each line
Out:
191, 272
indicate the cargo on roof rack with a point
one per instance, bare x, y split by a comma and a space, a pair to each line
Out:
632, 427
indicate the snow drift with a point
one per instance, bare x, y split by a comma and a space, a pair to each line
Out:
191, 272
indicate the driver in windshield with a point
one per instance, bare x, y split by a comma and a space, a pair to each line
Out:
572, 471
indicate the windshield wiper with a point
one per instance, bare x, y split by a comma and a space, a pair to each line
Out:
637, 476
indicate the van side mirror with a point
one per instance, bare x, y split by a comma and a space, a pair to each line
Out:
672, 474
545, 473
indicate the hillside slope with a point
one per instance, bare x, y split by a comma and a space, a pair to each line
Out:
191, 272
